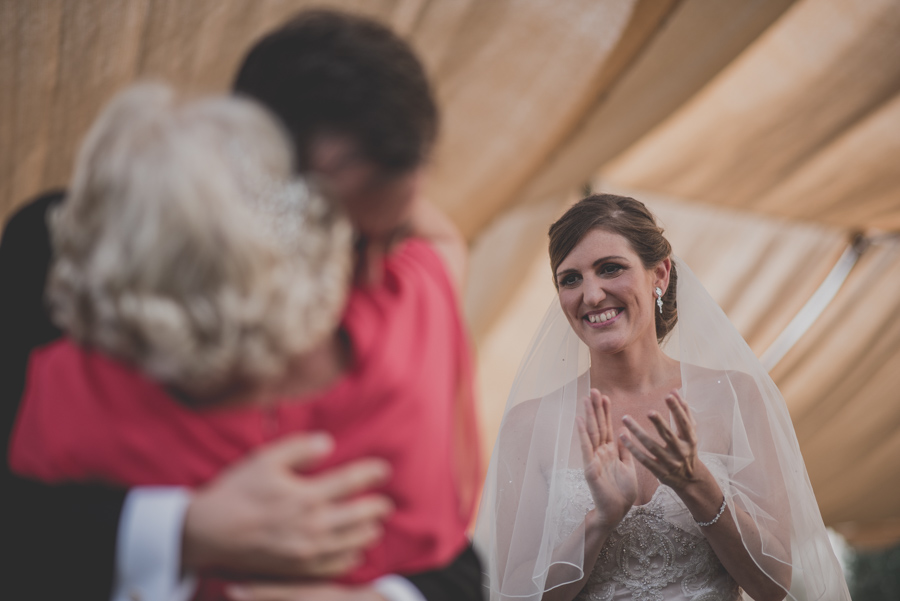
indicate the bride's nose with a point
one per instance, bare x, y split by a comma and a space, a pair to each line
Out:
594, 293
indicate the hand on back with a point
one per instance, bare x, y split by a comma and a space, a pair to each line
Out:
261, 517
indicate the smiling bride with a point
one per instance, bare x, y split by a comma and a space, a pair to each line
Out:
645, 453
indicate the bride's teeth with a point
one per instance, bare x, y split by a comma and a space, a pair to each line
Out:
602, 317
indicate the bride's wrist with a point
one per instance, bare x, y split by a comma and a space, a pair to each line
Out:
701, 494
595, 520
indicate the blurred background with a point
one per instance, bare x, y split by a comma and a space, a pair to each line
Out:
765, 134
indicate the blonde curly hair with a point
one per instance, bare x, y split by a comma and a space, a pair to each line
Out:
187, 248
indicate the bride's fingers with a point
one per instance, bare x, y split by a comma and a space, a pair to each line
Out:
644, 459
625, 455
587, 448
683, 420
600, 411
591, 422
663, 428
651, 445
609, 424
687, 409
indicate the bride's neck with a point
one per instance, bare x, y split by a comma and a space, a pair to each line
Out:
637, 369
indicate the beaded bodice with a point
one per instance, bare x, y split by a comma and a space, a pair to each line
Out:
650, 556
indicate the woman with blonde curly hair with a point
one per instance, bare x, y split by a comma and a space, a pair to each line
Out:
187, 250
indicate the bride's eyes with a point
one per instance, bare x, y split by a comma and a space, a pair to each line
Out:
569, 280
610, 269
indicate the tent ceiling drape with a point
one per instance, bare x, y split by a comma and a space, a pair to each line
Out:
800, 123
764, 133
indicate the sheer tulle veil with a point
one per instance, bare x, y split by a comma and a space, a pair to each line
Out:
742, 424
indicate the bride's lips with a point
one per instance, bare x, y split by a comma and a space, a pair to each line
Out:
603, 317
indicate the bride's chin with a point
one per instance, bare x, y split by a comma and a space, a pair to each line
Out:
603, 343
606, 347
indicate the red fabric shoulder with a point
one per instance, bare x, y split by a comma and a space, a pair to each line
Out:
467, 449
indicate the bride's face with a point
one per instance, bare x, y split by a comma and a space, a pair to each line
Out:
606, 293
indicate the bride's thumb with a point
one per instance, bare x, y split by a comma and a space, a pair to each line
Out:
625, 455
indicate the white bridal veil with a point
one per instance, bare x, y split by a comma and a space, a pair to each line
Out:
524, 524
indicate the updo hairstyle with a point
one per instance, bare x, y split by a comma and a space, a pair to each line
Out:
630, 219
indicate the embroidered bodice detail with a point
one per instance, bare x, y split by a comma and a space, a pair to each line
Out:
649, 556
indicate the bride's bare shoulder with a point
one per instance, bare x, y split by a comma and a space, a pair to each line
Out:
526, 413
522, 417
707, 377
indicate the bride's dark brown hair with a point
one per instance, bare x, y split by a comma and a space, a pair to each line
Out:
628, 218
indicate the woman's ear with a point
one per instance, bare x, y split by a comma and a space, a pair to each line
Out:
662, 271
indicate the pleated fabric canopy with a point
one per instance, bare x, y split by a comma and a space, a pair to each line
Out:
765, 134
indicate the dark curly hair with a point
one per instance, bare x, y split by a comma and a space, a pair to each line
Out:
330, 72
633, 221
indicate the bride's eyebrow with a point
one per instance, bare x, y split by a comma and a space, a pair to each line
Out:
595, 264
605, 259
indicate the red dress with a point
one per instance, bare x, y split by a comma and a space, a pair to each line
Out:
407, 398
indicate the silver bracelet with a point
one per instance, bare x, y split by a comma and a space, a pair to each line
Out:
715, 519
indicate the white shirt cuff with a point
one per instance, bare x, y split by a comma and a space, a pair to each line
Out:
148, 547
397, 588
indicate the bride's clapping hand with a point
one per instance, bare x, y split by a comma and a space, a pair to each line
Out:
608, 466
674, 463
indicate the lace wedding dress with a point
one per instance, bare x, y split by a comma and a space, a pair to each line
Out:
654, 554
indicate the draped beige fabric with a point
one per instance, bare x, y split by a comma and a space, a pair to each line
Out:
764, 133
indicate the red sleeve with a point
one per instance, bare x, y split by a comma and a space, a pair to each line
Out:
424, 254
467, 448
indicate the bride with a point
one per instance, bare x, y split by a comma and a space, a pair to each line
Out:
644, 452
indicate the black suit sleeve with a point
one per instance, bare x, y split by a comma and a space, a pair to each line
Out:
459, 581
58, 542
